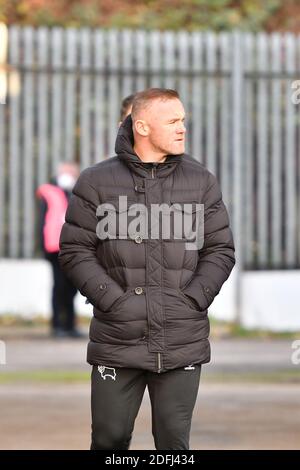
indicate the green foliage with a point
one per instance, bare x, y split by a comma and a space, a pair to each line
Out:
67, 377
45, 376
218, 15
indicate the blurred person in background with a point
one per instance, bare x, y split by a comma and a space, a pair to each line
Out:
126, 107
53, 201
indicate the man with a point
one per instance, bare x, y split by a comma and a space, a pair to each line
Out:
126, 107
150, 293
53, 204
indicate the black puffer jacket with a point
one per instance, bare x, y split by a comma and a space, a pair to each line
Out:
151, 295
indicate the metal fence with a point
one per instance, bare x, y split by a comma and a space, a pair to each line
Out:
64, 92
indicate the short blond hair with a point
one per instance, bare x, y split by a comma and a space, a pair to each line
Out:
143, 99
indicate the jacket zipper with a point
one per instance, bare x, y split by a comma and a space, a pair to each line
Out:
153, 170
159, 363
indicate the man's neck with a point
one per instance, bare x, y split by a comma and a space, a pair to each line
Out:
149, 157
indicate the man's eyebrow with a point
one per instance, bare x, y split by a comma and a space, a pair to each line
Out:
176, 119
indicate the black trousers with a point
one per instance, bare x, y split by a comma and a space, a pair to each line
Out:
116, 398
63, 293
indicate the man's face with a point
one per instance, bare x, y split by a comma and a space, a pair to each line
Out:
165, 120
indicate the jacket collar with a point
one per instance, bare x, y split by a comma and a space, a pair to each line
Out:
125, 152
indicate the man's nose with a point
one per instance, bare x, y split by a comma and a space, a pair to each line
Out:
181, 129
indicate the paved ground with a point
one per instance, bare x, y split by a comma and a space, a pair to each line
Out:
230, 413
226, 417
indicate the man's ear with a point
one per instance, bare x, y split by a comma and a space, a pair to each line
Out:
141, 127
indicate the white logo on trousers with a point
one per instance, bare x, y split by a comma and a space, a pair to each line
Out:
107, 372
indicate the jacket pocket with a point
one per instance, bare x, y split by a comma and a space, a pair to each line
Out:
193, 304
120, 299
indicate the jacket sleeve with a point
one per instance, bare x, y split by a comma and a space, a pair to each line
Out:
216, 257
78, 244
